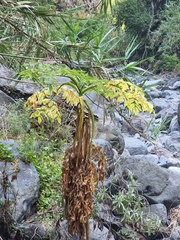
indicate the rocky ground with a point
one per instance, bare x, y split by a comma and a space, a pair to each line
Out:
154, 161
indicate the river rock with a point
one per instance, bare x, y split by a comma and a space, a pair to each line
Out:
158, 185
112, 134
135, 146
23, 188
178, 113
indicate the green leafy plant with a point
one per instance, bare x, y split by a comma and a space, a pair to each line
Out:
5, 153
48, 161
128, 203
165, 39
16, 120
78, 169
162, 125
135, 15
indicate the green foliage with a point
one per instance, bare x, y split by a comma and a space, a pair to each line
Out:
165, 40
47, 159
16, 120
129, 205
124, 92
134, 14
36, 30
161, 126
23, 27
5, 153
89, 41
41, 145
168, 62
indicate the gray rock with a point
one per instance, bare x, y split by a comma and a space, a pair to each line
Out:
112, 134
135, 146
154, 82
154, 92
170, 194
158, 210
159, 185
159, 104
148, 157
29, 231
168, 112
178, 113
97, 103
23, 187
176, 85
175, 234
26, 88
138, 122
5, 99
172, 142
174, 125
162, 161
152, 179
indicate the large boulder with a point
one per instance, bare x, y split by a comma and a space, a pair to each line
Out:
7, 84
178, 113
19, 189
22, 188
135, 146
158, 185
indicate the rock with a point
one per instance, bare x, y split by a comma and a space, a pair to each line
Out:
157, 184
178, 113
135, 146
97, 103
154, 92
172, 141
175, 234
148, 157
22, 190
162, 161
112, 134
29, 231
158, 210
159, 104
6, 73
176, 85
174, 125
138, 122
25, 88
168, 113
5, 99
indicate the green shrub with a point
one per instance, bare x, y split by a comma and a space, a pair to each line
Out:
47, 160
128, 203
168, 63
166, 38
16, 120
134, 14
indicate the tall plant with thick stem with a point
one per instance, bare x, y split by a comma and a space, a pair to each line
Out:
79, 172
